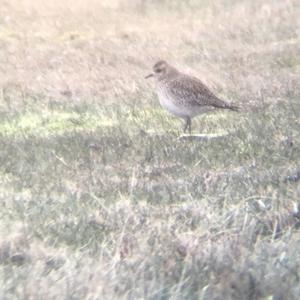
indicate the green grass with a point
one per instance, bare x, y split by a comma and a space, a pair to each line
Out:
101, 198
150, 119
148, 197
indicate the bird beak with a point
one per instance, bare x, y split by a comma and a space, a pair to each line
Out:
148, 76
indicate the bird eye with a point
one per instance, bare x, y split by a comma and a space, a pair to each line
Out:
158, 70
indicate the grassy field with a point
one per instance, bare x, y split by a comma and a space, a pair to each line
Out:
100, 199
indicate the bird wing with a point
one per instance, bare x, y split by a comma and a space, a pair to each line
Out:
193, 91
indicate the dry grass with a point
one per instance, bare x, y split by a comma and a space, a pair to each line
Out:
100, 199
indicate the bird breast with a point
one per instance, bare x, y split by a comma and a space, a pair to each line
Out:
178, 105
168, 101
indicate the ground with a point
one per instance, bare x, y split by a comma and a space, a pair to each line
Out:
101, 199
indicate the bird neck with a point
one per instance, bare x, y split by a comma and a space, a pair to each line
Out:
171, 74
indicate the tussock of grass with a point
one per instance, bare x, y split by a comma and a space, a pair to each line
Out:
54, 123
60, 122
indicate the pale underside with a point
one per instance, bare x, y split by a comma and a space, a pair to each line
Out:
178, 106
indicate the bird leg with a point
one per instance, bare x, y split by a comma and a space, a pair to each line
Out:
188, 125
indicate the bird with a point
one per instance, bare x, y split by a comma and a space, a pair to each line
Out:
183, 95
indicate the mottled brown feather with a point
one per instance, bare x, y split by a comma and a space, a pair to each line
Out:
194, 93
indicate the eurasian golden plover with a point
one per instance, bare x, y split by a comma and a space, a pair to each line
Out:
184, 96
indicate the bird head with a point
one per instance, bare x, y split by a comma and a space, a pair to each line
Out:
161, 70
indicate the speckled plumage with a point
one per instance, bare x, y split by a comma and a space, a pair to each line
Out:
183, 95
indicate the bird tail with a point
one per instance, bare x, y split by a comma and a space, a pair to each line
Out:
232, 107
218, 103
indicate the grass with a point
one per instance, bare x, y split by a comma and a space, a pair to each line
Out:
101, 199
